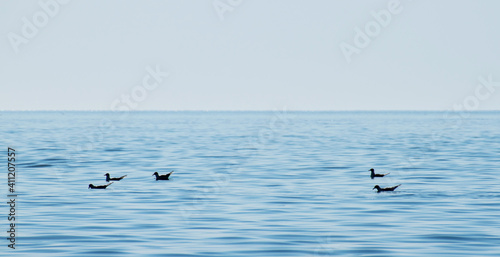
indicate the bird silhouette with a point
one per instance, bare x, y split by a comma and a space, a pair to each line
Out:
373, 174
115, 179
162, 177
379, 189
99, 187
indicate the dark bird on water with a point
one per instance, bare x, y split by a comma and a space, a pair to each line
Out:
99, 187
377, 175
162, 177
379, 189
116, 179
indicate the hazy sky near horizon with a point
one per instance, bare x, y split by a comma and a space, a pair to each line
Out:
249, 55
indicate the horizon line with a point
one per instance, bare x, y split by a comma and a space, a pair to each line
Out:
249, 110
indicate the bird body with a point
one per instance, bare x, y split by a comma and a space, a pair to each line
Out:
115, 179
162, 177
91, 186
379, 189
373, 174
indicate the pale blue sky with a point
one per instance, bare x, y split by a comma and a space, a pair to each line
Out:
262, 55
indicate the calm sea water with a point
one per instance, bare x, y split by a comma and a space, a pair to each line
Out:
254, 183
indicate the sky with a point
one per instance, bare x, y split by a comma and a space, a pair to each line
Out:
250, 55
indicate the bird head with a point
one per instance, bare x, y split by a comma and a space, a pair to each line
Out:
376, 187
90, 185
372, 170
156, 173
107, 174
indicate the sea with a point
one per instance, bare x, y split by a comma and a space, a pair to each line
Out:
269, 183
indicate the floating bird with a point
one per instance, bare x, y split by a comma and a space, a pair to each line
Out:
162, 177
99, 187
117, 179
376, 175
379, 189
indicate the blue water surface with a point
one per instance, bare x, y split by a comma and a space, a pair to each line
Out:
253, 183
